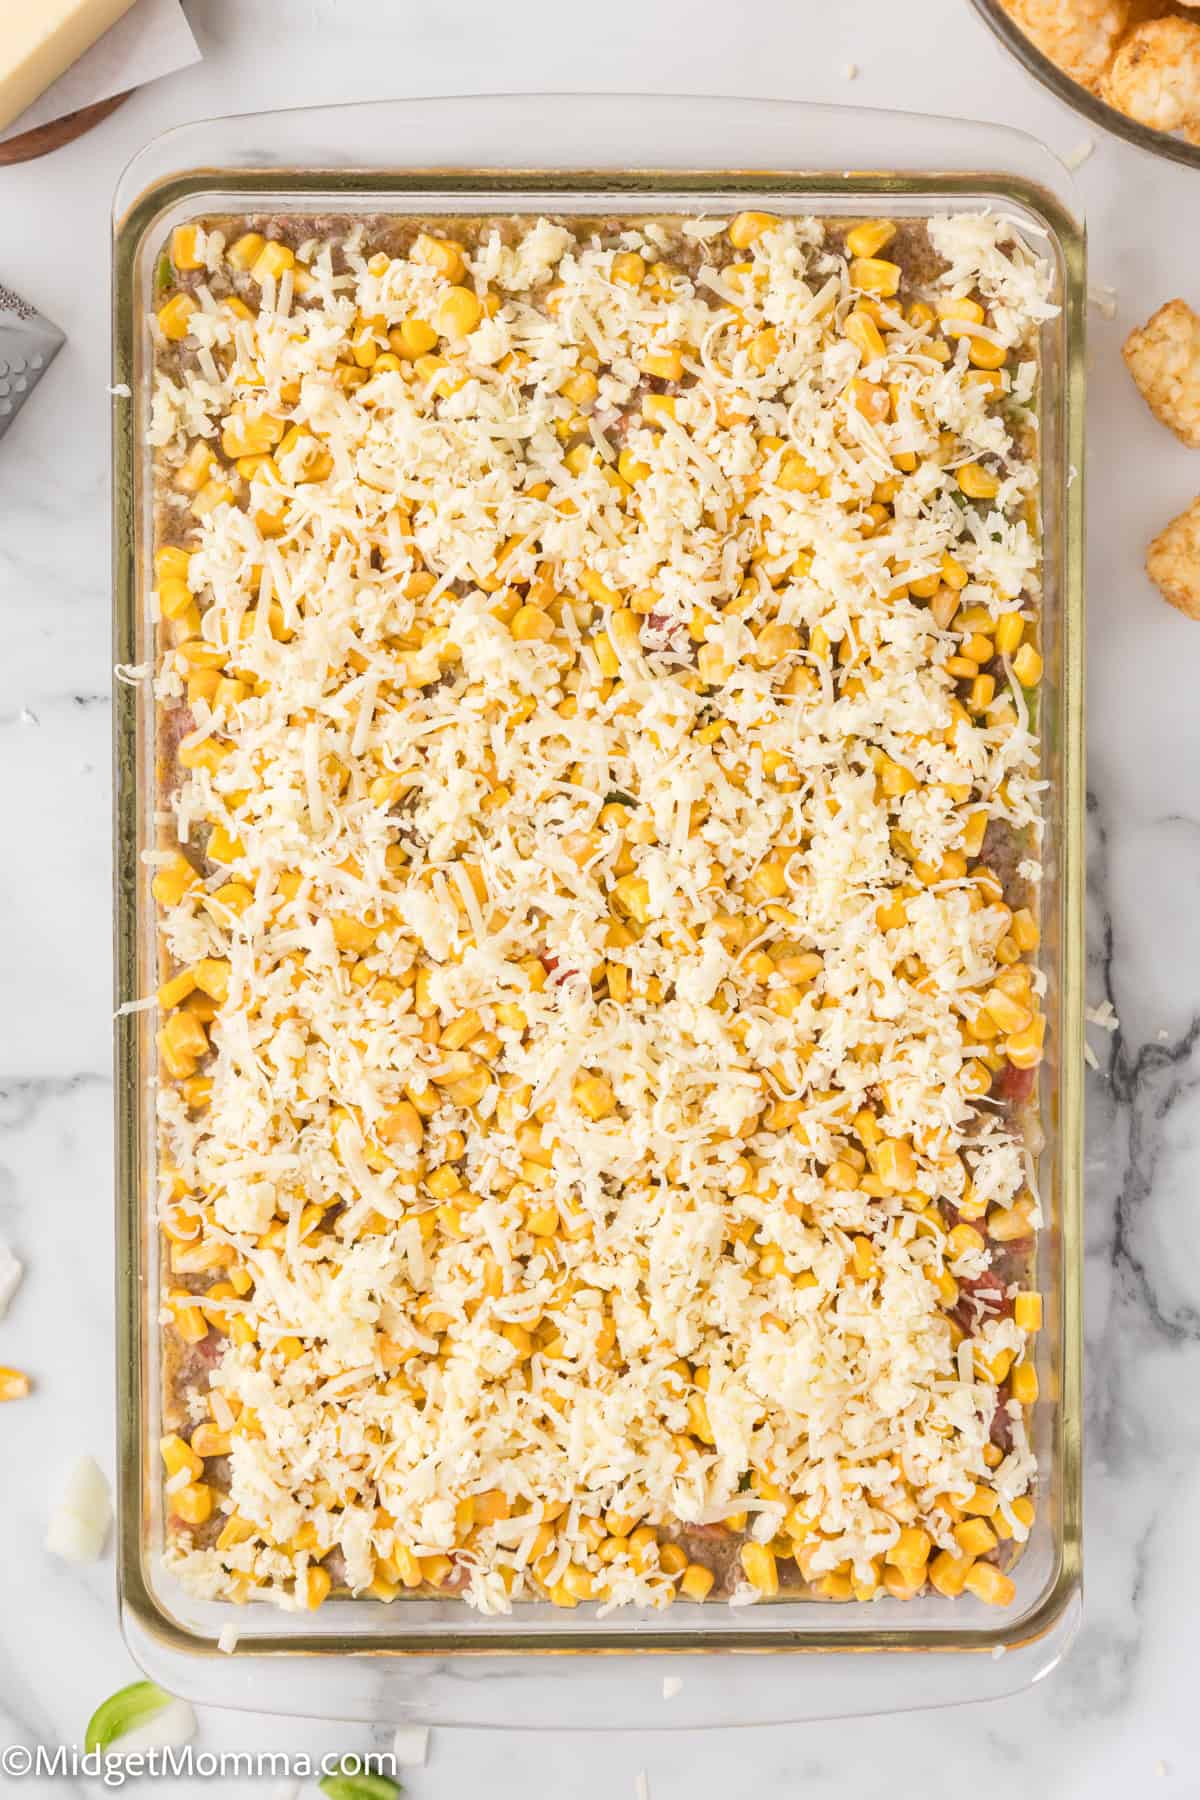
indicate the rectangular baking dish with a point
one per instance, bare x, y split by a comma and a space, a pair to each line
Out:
446, 157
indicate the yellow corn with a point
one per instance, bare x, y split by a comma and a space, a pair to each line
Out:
665, 364
174, 318
1024, 1048
872, 276
442, 254
865, 335
1024, 1383
1023, 1512
911, 1549
948, 1573
1009, 630
316, 1586
1027, 666
271, 262
1007, 1225
978, 483
985, 355
415, 337
795, 475
235, 1530
177, 1456
14, 1384
696, 1582
955, 313
594, 1096
182, 1041
869, 238
895, 1164
987, 1583
208, 1440
458, 313
1024, 928
1008, 1013
170, 562
243, 254
183, 248
904, 1583
872, 401
401, 1125
1027, 1311
964, 1240
193, 1504
759, 1566
748, 227
628, 267
974, 1537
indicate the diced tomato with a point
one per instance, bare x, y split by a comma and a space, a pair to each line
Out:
1014, 1086
552, 966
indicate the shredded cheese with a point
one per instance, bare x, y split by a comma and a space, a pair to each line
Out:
591, 942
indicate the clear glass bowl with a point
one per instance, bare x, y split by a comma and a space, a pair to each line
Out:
1081, 99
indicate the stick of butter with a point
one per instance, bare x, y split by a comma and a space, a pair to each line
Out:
38, 42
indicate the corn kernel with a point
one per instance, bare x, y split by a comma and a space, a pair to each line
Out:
948, 1573
193, 1504
696, 1582
871, 275
442, 254
869, 238
748, 227
1009, 630
271, 262
974, 1537
758, 1564
174, 318
177, 1456
978, 483
458, 313
1024, 1384
987, 1583
665, 364
1027, 1311
1027, 666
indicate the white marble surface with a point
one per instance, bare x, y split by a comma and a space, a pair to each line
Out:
1117, 1717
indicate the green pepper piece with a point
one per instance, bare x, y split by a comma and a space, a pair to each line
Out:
123, 1712
352, 1782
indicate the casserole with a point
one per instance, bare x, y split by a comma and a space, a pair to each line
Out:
1046, 1575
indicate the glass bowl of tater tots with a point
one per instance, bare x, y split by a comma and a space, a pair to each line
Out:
1132, 66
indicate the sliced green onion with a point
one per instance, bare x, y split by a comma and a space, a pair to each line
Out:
123, 1712
164, 273
352, 1782
617, 798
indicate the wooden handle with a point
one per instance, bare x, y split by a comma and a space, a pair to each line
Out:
44, 138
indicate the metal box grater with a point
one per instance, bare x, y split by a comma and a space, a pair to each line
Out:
28, 345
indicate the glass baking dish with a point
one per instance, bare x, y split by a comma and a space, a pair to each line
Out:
661, 155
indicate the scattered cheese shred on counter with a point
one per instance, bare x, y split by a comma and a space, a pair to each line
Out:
11, 1272
598, 990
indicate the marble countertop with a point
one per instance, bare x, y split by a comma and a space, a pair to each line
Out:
1113, 1719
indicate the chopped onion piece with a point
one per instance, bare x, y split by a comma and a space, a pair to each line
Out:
79, 1523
